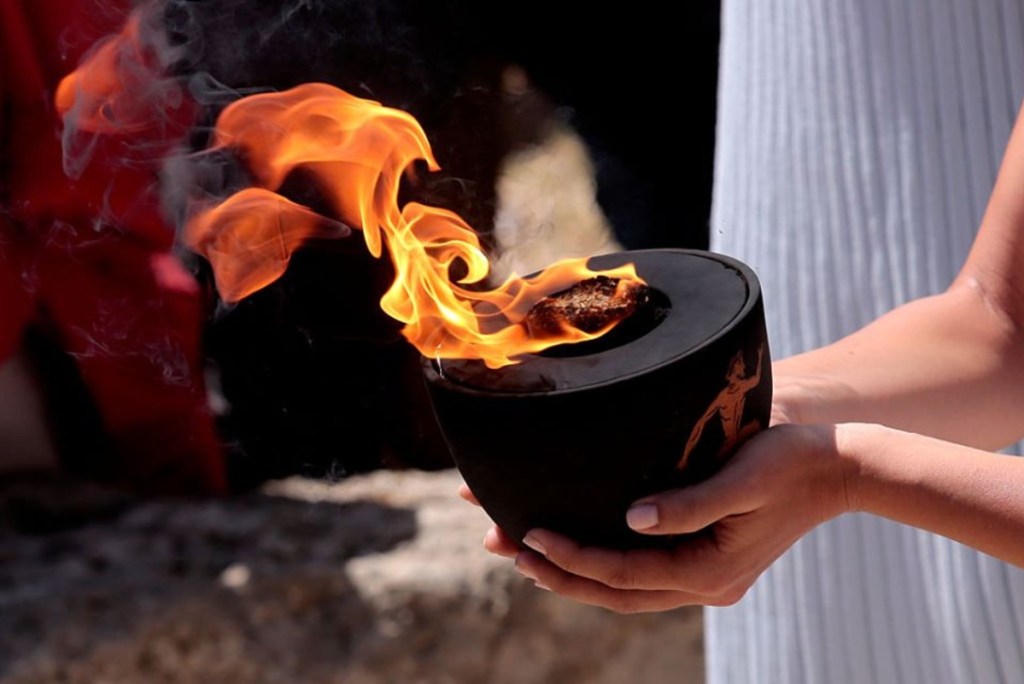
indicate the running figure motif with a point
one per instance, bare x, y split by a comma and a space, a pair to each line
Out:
729, 405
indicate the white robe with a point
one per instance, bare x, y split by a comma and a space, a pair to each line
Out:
858, 141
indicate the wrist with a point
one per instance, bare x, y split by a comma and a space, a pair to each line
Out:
856, 444
808, 398
828, 468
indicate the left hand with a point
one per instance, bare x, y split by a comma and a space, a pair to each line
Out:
778, 486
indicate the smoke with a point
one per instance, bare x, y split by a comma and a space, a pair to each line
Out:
151, 85
147, 97
157, 87
534, 227
113, 332
189, 59
122, 89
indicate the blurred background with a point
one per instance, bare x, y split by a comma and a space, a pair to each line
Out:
617, 106
333, 547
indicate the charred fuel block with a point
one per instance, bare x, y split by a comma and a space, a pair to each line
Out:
567, 439
590, 305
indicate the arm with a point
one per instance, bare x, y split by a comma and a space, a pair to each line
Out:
784, 483
695, 434
951, 366
972, 496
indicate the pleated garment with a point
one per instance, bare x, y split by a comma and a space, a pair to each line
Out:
858, 141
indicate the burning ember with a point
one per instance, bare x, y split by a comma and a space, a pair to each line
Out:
591, 306
357, 151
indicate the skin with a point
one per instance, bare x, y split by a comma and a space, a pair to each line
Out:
897, 420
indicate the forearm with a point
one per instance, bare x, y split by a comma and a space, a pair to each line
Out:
972, 496
950, 366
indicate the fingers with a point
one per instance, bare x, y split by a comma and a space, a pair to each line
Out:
552, 578
583, 590
495, 540
687, 510
770, 469
731, 491
467, 494
694, 566
498, 543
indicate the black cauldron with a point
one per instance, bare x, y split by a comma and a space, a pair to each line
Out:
568, 438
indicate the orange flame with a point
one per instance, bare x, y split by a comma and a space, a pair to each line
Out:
96, 87
120, 88
358, 150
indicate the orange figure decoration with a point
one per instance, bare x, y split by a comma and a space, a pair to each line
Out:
728, 405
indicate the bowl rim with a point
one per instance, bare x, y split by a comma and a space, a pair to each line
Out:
433, 374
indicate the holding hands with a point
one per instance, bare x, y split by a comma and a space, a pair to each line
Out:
783, 483
896, 420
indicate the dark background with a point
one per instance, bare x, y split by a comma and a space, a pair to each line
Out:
619, 71
319, 381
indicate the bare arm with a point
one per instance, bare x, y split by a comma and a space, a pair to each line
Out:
949, 366
972, 496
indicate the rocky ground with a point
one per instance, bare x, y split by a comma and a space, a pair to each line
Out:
376, 579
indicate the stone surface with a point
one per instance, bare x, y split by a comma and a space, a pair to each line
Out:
376, 579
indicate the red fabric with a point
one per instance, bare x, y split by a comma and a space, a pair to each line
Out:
15, 303
89, 259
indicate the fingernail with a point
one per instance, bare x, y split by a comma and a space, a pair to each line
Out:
642, 516
539, 585
535, 544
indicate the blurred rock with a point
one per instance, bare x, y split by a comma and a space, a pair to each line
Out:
377, 579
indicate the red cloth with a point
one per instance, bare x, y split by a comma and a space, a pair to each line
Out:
88, 259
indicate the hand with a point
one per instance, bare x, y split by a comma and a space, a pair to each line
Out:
495, 540
780, 485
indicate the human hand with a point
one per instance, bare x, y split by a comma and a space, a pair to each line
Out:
495, 541
780, 485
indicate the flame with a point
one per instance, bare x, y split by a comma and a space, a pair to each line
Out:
265, 229
96, 87
122, 92
121, 87
357, 150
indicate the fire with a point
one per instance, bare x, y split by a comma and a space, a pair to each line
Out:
120, 88
357, 151
98, 90
122, 91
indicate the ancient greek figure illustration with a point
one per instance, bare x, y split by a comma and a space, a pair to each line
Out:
728, 406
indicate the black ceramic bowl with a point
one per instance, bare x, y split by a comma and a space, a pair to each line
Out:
567, 439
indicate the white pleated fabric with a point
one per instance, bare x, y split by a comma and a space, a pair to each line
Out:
858, 141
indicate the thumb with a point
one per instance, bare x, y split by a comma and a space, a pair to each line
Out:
689, 509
